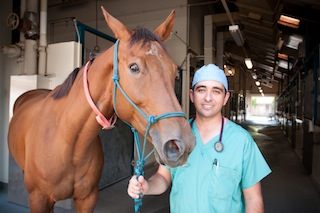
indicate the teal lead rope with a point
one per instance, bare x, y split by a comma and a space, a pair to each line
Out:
138, 168
139, 165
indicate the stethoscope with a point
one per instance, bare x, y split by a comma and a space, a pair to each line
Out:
218, 146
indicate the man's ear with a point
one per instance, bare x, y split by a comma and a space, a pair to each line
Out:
226, 98
191, 95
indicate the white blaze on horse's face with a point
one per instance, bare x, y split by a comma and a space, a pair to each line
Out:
153, 51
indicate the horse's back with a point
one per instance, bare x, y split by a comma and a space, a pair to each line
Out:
30, 96
25, 110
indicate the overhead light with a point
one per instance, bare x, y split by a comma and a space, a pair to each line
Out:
254, 76
284, 64
229, 70
257, 83
248, 63
283, 56
289, 21
294, 41
236, 34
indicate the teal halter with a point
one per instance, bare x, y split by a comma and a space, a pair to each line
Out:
151, 119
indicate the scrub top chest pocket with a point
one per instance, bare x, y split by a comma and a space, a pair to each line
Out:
224, 181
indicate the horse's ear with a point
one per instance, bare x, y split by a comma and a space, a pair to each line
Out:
120, 30
164, 30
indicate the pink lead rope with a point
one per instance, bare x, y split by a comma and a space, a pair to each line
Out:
101, 119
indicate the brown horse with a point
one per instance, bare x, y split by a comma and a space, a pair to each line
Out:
53, 135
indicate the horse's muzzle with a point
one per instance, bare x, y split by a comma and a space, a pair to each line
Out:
173, 142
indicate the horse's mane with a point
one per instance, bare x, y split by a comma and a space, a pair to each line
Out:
64, 88
139, 34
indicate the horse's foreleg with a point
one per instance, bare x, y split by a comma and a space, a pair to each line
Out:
40, 202
87, 204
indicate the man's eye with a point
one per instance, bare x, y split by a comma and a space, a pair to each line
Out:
201, 90
217, 91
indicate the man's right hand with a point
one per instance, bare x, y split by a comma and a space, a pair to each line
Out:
137, 186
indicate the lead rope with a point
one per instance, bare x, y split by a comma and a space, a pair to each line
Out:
138, 169
139, 164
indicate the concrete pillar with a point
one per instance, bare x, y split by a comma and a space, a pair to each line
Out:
220, 49
209, 40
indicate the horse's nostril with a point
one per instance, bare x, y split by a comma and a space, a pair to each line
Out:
173, 150
172, 145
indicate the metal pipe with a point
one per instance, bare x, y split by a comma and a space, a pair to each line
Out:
228, 11
30, 57
43, 38
315, 89
22, 10
32, 6
11, 51
80, 31
185, 87
30, 45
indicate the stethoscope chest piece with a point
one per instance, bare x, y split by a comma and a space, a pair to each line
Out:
218, 146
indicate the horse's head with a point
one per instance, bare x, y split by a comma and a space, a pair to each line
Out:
147, 75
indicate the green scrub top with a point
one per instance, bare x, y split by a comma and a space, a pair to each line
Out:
212, 182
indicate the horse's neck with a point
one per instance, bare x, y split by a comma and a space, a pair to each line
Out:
80, 115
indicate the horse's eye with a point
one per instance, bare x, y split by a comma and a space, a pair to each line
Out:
134, 68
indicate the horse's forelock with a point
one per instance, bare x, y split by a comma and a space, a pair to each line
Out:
144, 35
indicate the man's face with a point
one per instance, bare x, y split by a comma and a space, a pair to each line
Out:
209, 97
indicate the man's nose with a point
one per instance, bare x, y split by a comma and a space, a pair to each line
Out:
208, 96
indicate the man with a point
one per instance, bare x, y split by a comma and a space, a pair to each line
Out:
224, 170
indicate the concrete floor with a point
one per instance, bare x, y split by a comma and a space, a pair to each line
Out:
287, 189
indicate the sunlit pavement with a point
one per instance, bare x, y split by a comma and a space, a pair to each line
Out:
269, 121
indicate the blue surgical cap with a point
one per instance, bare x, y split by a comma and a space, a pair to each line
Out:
210, 72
